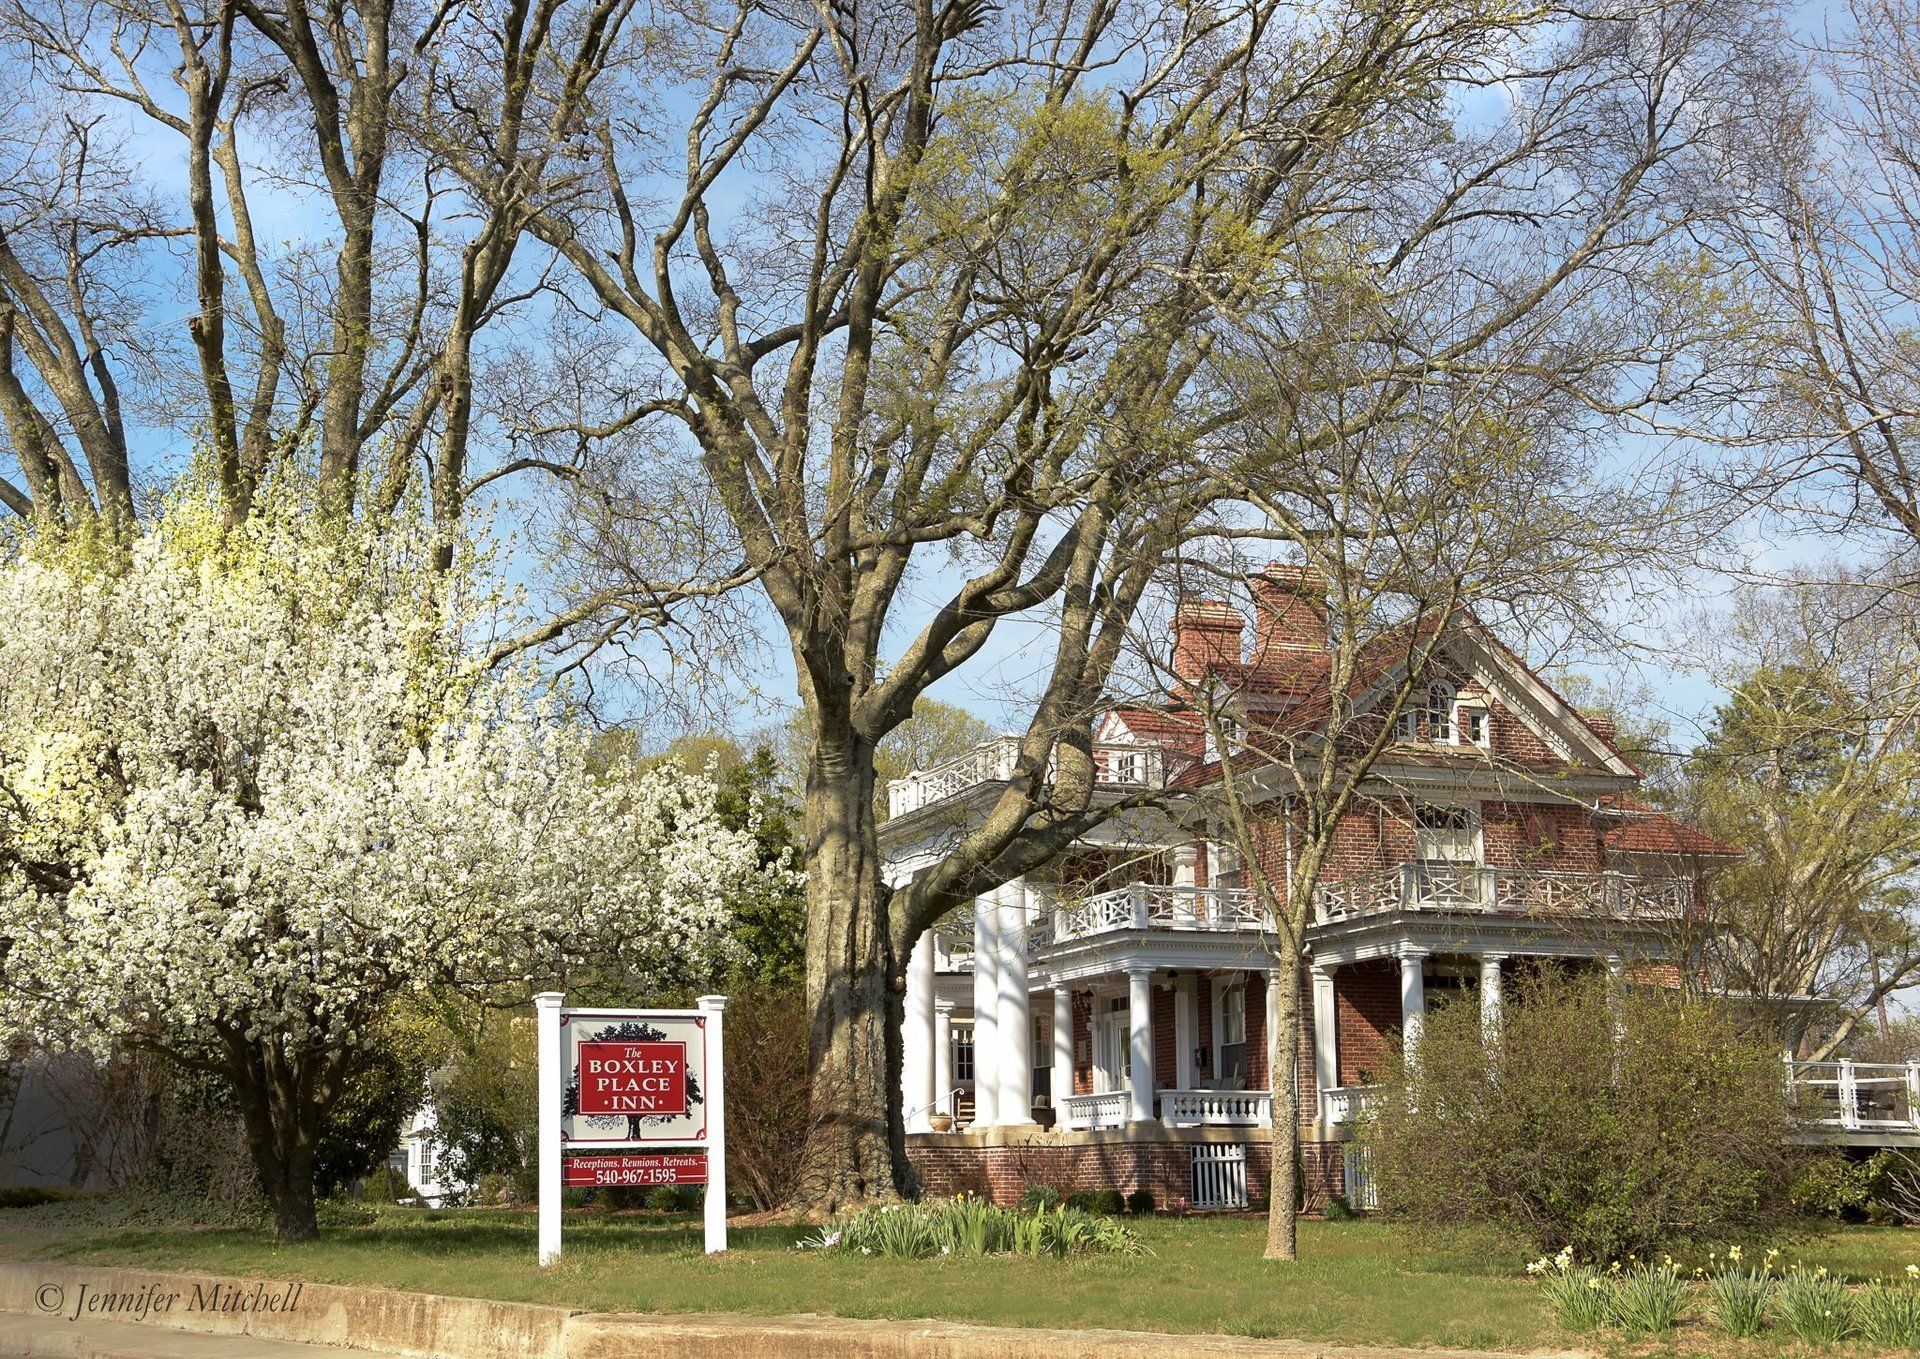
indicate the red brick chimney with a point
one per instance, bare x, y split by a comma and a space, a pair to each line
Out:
1206, 637
1289, 614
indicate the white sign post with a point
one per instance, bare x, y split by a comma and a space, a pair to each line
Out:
649, 1080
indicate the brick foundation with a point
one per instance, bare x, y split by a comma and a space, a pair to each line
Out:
1159, 1161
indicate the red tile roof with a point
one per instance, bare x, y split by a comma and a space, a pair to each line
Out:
1639, 829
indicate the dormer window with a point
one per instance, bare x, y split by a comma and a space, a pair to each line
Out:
1472, 725
1407, 728
1440, 698
1230, 730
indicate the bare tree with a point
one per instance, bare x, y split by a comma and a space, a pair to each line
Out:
1812, 766
335, 286
1409, 536
1822, 229
915, 307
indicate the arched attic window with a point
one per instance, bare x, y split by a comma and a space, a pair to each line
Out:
1440, 697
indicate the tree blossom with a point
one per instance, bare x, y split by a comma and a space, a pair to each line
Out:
252, 790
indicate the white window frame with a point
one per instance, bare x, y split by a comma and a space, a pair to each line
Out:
1466, 711
1442, 699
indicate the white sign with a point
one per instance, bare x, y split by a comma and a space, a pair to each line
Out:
614, 1079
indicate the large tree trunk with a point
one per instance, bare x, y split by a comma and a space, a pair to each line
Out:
856, 1143
1283, 1078
282, 1122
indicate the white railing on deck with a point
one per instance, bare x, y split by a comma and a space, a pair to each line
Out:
1346, 1103
1855, 1096
1216, 1108
1441, 886
1145, 906
1107, 1110
1114, 765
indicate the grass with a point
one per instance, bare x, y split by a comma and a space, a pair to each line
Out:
1361, 1282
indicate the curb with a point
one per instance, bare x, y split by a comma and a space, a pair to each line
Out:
428, 1326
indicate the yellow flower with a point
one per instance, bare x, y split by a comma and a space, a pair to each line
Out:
1733, 1254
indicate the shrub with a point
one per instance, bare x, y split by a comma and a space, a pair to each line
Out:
495, 1190
1834, 1185
27, 1196
1107, 1202
1038, 1196
1577, 1293
1613, 1123
1647, 1299
1888, 1314
385, 1185
1739, 1297
1338, 1209
1815, 1306
970, 1226
664, 1198
766, 1087
1140, 1201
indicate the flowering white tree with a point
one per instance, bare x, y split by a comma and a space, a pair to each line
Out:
252, 791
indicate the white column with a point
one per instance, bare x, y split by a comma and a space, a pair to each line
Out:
1186, 873
1413, 996
1274, 1055
1140, 1043
943, 1056
1186, 1028
715, 1008
917, 1090
1326, 1032
1016, 1015
1062, 1053
1492, 992
547, 1043
986, 1011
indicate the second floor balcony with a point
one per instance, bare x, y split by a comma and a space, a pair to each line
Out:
1145, 906
1114, 766
1438, 885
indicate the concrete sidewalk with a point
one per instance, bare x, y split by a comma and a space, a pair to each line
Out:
80, 1312
25, 1337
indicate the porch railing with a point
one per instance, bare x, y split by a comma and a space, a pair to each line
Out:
1346, 1103
1114, 765
1441, 886
1216, 1108
1107, 1110
1144, 906
1855, 1096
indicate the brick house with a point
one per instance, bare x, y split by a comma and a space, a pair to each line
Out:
1104, 1025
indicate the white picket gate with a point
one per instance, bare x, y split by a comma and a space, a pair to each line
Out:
1220, 1175
1357, 1179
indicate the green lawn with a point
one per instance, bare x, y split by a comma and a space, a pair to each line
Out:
1359, 1282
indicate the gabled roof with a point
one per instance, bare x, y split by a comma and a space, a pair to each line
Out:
1175, 728
1298, 685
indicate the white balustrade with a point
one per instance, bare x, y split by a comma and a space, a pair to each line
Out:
1115, 765
1107, 1110
1445, 886
1145, 906
1855, 1096
1346, 1103
1216, 1108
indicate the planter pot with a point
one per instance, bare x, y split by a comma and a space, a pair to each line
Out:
1043, 1115
941, 1122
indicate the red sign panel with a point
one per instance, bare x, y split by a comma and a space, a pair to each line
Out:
597, 1172
636, 1079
